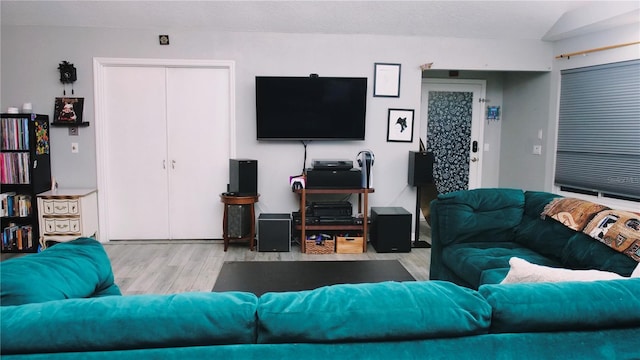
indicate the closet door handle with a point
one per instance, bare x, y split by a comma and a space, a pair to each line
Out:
173, 164
164, 164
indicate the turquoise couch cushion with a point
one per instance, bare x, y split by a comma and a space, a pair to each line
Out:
570, 248
469, 261
129, 322
75, 269
584, 252
564, 306
372, 312
493, 276
478, 215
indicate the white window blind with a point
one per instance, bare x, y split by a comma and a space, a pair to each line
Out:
599, 129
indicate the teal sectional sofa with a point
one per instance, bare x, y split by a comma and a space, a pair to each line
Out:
68, 307
475, 233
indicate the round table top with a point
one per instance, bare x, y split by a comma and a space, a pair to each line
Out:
229, 198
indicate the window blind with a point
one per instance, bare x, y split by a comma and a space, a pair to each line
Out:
599, 129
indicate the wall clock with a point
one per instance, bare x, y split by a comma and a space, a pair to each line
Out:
67, 72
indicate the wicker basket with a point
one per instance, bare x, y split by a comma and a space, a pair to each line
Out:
326, 247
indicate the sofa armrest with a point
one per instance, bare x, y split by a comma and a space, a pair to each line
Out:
74, 269
480, 215
564, 306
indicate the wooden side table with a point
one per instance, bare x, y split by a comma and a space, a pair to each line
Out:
228, 199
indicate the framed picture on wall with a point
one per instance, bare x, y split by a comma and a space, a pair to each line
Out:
68, 110
400, 125
386, 80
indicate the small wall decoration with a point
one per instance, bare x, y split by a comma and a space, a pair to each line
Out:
386, 80
400, 125
68, 75
68, 110
493, 113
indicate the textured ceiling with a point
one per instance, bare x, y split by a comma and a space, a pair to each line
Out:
463, 19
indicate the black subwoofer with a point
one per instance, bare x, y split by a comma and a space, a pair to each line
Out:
274, 232
390, 229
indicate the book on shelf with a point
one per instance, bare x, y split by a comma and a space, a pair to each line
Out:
14, 168
15, 133
17, 237
12, 204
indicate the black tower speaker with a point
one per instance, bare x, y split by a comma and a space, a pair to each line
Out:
274, 232
390, 229
420, 168
243, 177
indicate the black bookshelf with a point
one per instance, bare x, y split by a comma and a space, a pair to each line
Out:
25, 171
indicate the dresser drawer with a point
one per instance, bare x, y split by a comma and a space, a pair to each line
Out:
60, 207
54, 226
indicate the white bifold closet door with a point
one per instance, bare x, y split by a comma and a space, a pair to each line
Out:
167, 136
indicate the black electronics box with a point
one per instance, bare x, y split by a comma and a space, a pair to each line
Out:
332, 164
243, 177
339, 208
274, 232
390, 229
334, 179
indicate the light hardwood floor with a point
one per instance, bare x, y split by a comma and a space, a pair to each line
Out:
166, 267
163, 267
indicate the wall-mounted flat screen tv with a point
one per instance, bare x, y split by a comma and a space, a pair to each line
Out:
310, 108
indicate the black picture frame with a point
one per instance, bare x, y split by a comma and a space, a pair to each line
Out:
68, 110
386, 80
400, 125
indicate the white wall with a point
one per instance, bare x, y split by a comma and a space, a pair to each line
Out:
525, 115
30, 56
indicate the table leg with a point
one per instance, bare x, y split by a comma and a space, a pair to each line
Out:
225, 227
303, 212
365, 219
253, 228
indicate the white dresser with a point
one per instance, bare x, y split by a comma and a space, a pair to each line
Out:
67, 214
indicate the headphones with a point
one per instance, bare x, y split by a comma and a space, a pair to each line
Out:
366, 152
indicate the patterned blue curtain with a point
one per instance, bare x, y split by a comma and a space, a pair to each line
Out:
448, 138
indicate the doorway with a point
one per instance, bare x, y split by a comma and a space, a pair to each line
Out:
164, 134
452, 129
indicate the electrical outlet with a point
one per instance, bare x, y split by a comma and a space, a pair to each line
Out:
537, 149
74, 148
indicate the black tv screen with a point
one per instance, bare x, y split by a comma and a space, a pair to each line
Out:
310, 108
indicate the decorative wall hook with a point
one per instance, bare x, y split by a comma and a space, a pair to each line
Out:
426, 66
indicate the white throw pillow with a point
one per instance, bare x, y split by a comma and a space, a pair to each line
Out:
523, 271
